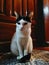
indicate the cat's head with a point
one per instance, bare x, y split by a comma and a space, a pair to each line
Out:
22, 21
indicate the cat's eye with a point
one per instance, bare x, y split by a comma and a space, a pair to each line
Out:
19, 23
25, 24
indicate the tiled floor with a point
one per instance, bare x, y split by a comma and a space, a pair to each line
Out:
37, 54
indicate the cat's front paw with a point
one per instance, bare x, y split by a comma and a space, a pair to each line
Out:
19, 57
25, 52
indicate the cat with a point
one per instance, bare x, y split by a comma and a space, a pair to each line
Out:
21, 43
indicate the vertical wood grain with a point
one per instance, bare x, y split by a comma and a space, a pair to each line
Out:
30, 5
24, 6
11, 8
18, 6
1, 5
46, 21
8, 7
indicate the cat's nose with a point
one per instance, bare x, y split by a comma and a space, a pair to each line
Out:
22, 28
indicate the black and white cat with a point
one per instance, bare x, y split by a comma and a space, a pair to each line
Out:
21, 43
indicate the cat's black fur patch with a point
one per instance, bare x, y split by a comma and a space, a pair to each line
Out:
25, 58
26, 18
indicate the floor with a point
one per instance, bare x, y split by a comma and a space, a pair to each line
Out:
36, 54
8, 60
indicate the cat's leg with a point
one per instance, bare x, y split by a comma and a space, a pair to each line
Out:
15, 46
30, 45
19, 49
27, 51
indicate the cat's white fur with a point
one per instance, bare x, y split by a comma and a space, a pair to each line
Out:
21, 43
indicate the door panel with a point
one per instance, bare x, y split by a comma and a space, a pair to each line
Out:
8, 19
46, 14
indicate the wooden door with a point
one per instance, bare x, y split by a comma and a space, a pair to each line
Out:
8, 19
46, 17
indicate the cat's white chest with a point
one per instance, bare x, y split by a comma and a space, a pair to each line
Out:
19, 33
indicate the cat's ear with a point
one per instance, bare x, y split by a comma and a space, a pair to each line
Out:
16, 14
30, 14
